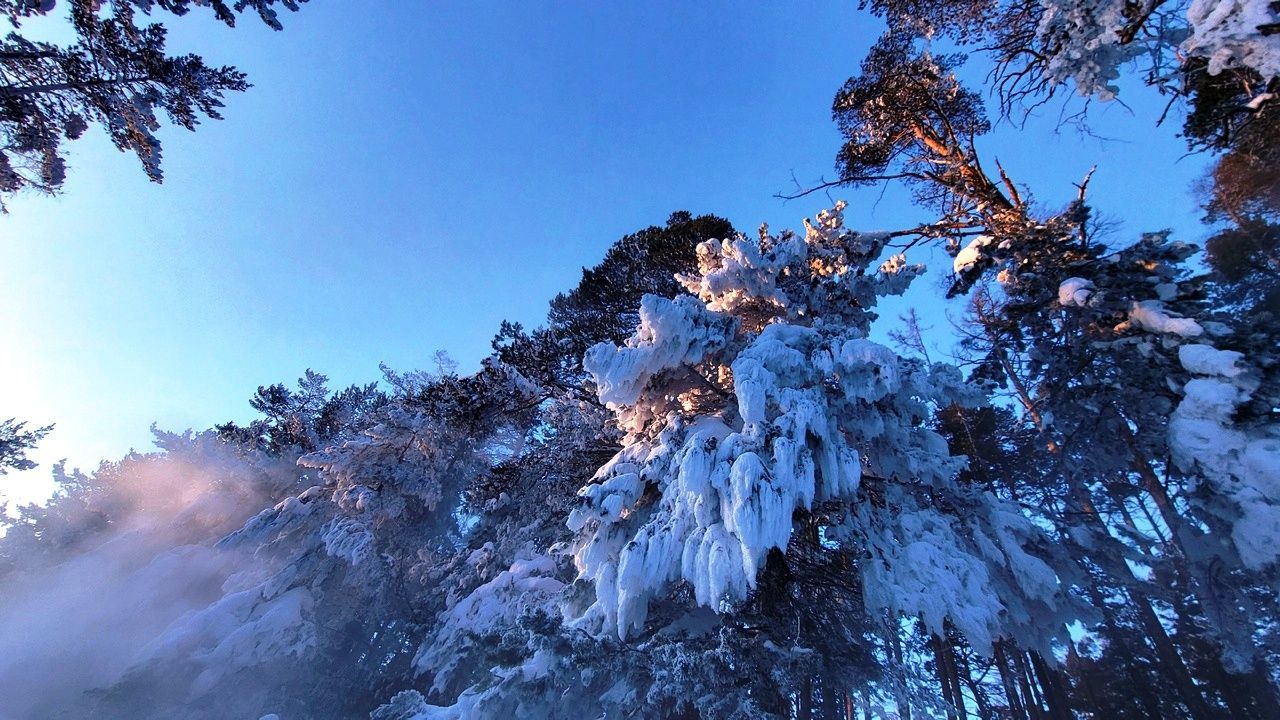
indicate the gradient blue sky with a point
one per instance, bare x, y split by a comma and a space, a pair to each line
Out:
399, 180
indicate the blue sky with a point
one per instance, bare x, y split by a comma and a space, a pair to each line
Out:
398, 181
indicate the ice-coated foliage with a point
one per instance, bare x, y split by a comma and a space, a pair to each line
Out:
335, 575
784, 406
406, 457
1074, 291
1230, 467
1088, 42
528, 586
243, 629
1230, 34
1242, 464
972, 569
1084, 44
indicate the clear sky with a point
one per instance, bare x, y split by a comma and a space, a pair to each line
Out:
405, 175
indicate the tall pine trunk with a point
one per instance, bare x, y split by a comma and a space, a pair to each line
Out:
1014, 700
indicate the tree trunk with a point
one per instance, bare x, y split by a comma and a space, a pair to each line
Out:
1151, 483
956, 690
804, 702
899, 674
1128, 660
830, 706
966, 675
1031, 698
944, 676
1073, 659
1167, 654
1165, 651
1051, 681
1170, 658
1016, 711
1264, 691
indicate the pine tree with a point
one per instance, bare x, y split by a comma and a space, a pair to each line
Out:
753, 400
15, 441
116, 74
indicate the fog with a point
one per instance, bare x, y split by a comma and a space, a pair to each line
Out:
78, 620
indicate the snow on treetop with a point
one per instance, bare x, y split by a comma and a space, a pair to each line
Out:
1208, 360
1074, 291
784, 405
793, 277
1152, 316
970, 254
1228, 33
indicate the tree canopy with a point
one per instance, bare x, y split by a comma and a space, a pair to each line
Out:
718, 483
116, 75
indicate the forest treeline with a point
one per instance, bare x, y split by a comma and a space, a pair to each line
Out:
700, 490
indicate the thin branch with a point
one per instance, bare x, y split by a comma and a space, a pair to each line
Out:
846, 181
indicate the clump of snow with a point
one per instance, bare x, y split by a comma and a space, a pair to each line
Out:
672, 333
348, 538
970, 254
756, 281
1227, 33
411, 705
1166, 291
529, 584
1208, 360
1152, 316
1240, 464
1074, 292
287, 516
1257, 531
1084, 38
240, 630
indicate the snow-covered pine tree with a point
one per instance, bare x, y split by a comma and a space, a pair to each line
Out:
15, 440
1221, 58
420, 507
764, 426
343, 575
117, 555
1111, 355
898, 121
